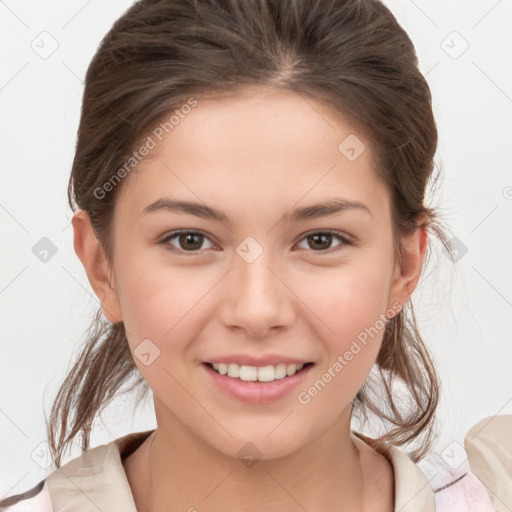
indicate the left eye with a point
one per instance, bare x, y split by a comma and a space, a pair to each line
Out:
322, 240
188, 241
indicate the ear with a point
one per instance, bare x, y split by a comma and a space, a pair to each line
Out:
414, 248
90, 252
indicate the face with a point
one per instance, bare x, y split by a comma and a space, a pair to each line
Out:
254, 271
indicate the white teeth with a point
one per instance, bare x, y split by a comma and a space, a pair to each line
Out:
248, 373
280, 371
253, 373
233, 370
265, 373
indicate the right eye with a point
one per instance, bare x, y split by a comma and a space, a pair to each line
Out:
187, 241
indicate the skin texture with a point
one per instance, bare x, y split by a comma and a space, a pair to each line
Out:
255, 157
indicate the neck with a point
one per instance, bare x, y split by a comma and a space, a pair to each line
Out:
181, 472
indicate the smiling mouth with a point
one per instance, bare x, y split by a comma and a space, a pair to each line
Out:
248, 373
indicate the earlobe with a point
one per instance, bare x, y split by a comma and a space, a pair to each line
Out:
414, 249
90, 252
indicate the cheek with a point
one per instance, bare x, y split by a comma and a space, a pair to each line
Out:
163, 304
349, 306
154, 296
352, 309
157, 306
350, 298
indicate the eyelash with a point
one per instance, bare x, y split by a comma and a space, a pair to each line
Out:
174, 234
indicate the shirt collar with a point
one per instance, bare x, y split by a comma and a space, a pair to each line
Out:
96, 480
413, 492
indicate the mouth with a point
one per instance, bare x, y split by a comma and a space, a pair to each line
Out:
268, 373
257, 385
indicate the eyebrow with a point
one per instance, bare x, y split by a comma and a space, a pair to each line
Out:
323, 209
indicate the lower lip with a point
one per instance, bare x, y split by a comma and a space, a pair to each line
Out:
256, 392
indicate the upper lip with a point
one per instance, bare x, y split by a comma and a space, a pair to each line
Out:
268, 360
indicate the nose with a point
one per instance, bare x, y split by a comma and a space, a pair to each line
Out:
257, 299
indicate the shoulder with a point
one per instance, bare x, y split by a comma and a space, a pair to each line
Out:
92, 468
478, 476
489, 449
36, 499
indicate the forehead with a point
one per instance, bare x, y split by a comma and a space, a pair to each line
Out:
262, 148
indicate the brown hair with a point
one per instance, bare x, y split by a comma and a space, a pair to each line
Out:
354, 57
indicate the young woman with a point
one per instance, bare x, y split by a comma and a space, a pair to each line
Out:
248, 188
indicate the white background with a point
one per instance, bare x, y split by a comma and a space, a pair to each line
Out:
464, 308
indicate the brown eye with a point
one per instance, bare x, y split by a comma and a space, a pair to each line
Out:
190, 241
187, 241
321, 241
